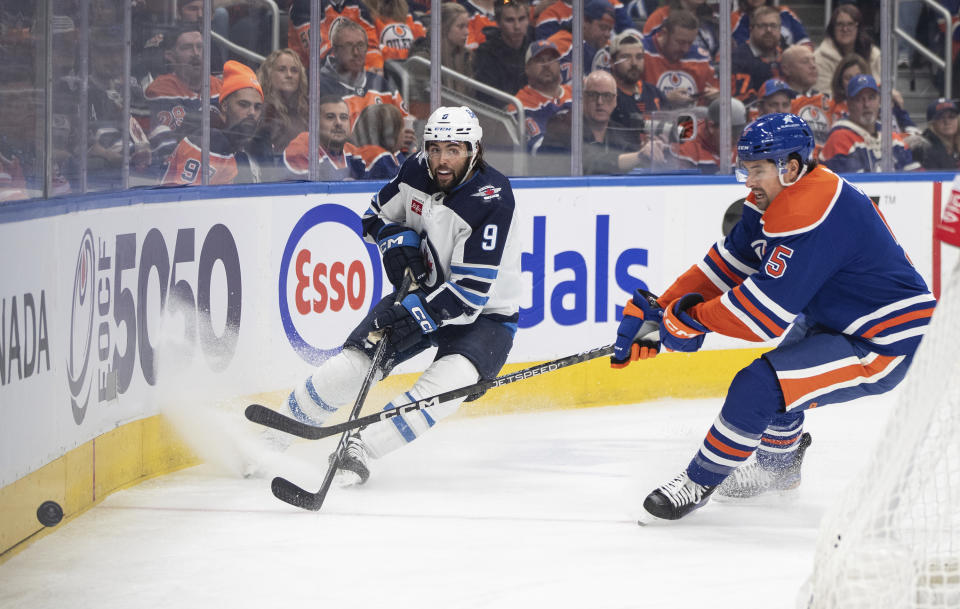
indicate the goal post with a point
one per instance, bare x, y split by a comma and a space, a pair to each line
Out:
892, 540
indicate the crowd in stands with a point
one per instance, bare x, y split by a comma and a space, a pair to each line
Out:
651, 94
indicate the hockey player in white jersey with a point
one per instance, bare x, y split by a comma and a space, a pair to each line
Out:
449, 218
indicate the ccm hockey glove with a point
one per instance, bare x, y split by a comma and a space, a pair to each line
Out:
638, 331
680, 331
400, 247
406, 323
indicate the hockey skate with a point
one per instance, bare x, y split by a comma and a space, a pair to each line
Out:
676, 498
352, 468
751, 480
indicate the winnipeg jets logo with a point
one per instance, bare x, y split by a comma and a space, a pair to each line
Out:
488, 192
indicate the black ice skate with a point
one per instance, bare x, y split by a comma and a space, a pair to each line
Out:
352, 468
752, 479
677, 498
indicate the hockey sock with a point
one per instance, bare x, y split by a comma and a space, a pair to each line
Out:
752, 401
444, 374
779, 443
334, 383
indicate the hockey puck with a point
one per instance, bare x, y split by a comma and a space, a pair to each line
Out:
49, 513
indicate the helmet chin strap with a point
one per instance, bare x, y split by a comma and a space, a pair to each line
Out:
783, 170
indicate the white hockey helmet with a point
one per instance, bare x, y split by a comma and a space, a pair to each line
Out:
454, 124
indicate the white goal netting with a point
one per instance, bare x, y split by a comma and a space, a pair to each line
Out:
893, 538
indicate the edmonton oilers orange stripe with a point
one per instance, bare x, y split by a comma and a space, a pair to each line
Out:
899, 319
721, 263
724, 448
757, 314
792, 440
677, 327
794, 389
632, 309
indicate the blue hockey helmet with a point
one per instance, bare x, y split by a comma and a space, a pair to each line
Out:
775, 137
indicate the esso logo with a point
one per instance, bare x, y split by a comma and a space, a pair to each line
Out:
329, 279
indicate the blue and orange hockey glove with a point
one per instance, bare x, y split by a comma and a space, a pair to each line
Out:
638, 333
680, 331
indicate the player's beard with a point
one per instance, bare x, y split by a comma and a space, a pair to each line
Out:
455, 177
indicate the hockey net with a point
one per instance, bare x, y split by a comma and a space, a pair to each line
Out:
893, 538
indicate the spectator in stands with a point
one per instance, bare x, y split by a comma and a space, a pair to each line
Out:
791, 28
938, 148
339, 159
105, 115
676, 66
241, 104
151, 59
298, 34
21, 166
798, 69
851, 66
173, 99
396, 29
708, 36
343, 72
559, 16
383, 126
635, 98
286, 106
499, 60
774, 97
844, 36
758, 60
703, 152
482, 15
544, 96
454, 54
854, 142
597, 25
608, 147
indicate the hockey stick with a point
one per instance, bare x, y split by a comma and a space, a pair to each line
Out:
272, 418
287, 491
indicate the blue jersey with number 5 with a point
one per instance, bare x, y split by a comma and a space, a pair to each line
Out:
822, 249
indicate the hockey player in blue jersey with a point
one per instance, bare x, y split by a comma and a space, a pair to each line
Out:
449, 218
811, 250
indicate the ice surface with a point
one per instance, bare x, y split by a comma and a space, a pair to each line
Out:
531, 510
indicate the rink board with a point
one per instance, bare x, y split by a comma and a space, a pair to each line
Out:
112, 307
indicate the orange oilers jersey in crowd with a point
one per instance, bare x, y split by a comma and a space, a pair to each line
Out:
593, 59
353, 163
814, 107
852, 149
395, 38
539, 109
183, 166
559, 16
479, 19
372, 89
298, 35
691, 73
700, 152
801, 256
170, 99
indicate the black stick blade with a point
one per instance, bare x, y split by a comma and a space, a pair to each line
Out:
288, 492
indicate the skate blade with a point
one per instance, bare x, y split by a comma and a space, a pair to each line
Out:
772, 496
